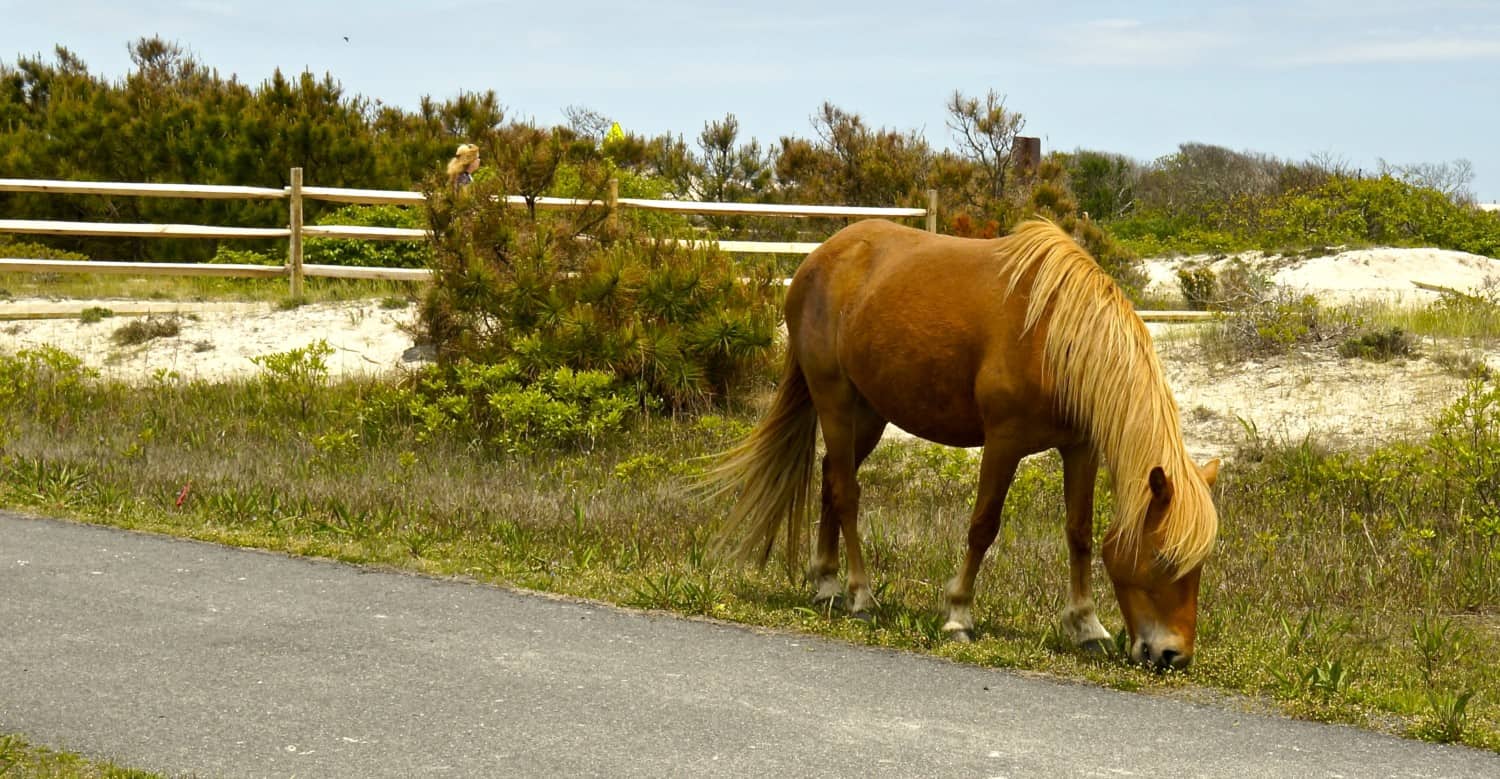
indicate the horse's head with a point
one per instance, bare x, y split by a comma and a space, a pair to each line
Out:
1158, 592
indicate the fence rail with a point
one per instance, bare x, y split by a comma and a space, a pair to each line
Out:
294, 233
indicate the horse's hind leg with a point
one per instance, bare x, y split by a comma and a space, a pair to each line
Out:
996, 470
850, 433
1079, 622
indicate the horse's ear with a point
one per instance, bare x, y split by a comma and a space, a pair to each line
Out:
1161, 488
1210, 471
1161, 497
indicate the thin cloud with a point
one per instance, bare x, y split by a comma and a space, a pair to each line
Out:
1431, 49
1132, 43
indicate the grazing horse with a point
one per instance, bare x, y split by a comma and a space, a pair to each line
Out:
1018, 344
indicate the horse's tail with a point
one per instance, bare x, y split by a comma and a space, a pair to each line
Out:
771, 473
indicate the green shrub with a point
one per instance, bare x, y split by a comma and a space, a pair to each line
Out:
368, 253
1277, 325
94, 314
497, 405
1467, 442
1328, 212
291, 379
673, 324
45, 382
1379, 345
1241, 286
26, 250
228, 256
1200, 287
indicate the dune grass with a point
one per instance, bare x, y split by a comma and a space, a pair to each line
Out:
22, 760
87, 286
1349, 587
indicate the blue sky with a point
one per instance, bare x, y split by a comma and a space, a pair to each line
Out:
1355, 80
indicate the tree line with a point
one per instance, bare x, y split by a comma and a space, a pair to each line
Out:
173, 119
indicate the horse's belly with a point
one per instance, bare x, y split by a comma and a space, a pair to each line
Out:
948, 432
922, 387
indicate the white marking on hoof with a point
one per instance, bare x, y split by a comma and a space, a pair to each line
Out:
1081, 625
864, 600
829, 590
960, 620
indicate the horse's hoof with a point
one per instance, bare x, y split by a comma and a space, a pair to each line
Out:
1095, 647
961, 636
831, 603
863, 616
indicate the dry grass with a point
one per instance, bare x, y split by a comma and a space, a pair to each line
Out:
84, 286
21, 760
1332, 576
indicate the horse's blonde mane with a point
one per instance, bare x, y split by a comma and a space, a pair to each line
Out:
1099, 355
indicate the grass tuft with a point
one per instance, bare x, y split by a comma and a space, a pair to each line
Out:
139, 331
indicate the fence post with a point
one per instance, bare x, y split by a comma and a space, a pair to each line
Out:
931, 210
614, 203
294, 242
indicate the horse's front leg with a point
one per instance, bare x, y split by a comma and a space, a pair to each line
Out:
996, 470
1079, 621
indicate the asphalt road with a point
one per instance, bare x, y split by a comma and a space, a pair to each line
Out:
190, 658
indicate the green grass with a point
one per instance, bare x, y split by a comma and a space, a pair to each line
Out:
20, 760
1333, 574
86, 286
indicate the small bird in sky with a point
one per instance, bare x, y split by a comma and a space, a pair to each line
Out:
346, 39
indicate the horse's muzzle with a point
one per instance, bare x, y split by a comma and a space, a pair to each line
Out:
1165, 660
1171, 660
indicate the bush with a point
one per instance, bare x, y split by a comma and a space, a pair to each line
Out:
1332, 211
1467, 442
1379, 345
26, 250
1241, 286
94, 314
677, 326
1277, 325
1200, 287
227, 256
496, 405
139, 331
367, 253
1236, 287
46, 382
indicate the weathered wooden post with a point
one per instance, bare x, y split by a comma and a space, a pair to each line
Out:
1027, 151
294, 241
931, 210
614, 204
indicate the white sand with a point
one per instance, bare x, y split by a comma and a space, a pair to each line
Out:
219, 343
1371, 274
1286, 398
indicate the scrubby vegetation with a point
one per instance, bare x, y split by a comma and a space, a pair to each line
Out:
369, 254
1354, 587
1333, 211
588, 360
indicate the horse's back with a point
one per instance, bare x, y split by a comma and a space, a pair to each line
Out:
919, 324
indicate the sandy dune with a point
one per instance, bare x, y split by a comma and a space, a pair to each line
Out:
1289, 397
